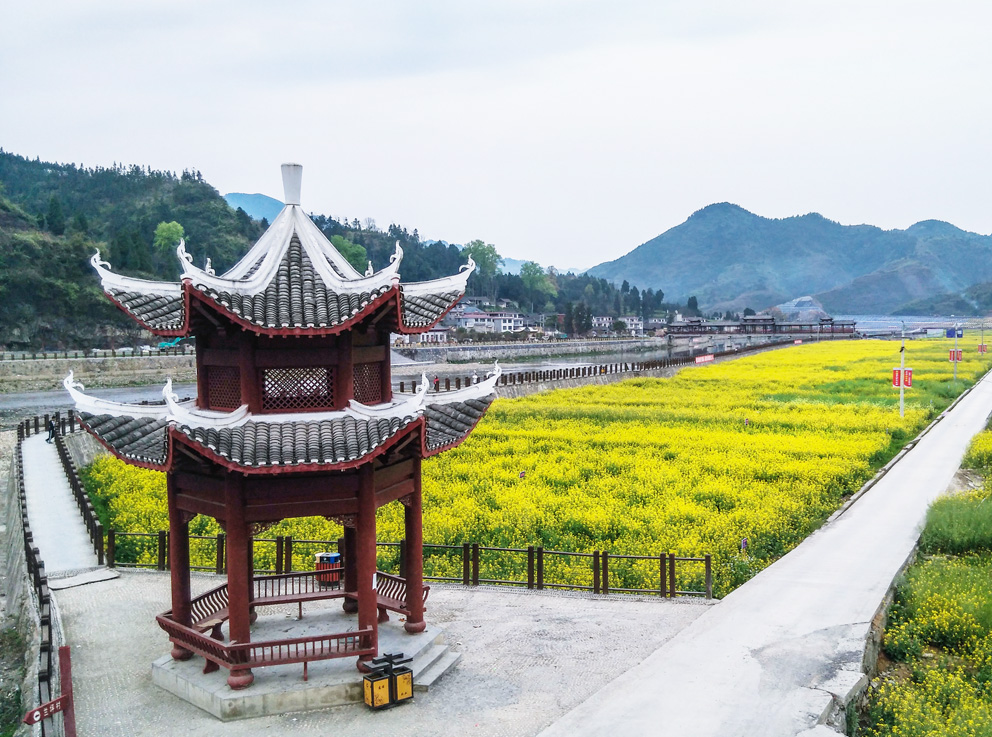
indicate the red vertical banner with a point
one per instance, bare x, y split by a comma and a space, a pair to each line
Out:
960, 354
982, 348
896, 373
907, 377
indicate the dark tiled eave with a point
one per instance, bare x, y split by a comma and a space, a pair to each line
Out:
421, 312
449, 424
142, 441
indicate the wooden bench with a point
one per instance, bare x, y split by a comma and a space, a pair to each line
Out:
390, 595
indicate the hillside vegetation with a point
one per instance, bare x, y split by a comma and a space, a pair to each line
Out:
731, 258
55, 216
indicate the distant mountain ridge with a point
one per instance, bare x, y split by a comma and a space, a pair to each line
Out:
257, 205
730, 258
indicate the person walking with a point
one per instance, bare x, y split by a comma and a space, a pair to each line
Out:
51, 430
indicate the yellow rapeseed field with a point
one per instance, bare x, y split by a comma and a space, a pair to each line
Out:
759, 449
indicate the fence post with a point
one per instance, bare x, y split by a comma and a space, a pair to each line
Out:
664, 576
98, 541
278, 555
447, 384
466, 558
72, 421
287, 549
530, 566
221, 544
671, 575
709, 576
475, 564
595, 572
111, 548
163, 542
604, 584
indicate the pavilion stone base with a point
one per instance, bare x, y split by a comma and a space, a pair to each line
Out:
281, 689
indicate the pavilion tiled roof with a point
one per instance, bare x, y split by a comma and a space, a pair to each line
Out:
422, 311
141, 439
159, 312
450, 423
142, 434
293, 279
295, 298
299, 442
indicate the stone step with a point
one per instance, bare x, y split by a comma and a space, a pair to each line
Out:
438, 668
426, 657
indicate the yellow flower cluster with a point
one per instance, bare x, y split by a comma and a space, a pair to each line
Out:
741, 459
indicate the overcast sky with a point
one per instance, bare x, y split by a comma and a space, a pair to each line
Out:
564, 132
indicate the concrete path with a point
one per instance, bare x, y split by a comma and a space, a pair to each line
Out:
527, 658
769, 659
59, 532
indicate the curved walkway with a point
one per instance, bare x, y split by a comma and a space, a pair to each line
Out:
772, 657
59, 532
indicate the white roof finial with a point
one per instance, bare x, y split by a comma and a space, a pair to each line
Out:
292, 181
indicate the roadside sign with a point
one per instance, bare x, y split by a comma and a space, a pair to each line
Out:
982, 348
46, 710
798, 341
896, 377
950, 333
956, 355
902, 377
704, 359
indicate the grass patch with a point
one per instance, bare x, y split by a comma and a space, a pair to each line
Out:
11, 674
957, 525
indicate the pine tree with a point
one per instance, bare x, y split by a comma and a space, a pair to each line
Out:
55, 218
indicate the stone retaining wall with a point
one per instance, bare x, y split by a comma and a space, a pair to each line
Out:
47, 374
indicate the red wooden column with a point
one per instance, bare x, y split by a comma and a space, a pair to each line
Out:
365, 558
350, 571
414, 527
238, 579
178, 565
250, 568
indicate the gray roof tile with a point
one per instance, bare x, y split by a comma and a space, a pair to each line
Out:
295, 298
157, 311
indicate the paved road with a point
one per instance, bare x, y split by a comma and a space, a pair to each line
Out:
59, 532
771, 656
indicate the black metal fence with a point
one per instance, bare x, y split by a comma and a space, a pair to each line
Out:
603, 369
469, 564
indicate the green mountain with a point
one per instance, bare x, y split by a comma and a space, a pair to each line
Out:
730, 258
49, 297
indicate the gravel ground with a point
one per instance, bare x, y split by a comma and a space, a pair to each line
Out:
527, 658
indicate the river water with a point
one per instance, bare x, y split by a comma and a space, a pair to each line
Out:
20, 406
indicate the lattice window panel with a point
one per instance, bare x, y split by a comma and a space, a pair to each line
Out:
297, 388
223, 387
368, 383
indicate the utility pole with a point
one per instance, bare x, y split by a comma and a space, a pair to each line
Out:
956, 351
902, 373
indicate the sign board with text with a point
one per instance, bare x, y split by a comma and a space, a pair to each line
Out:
902, 377
704, 359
